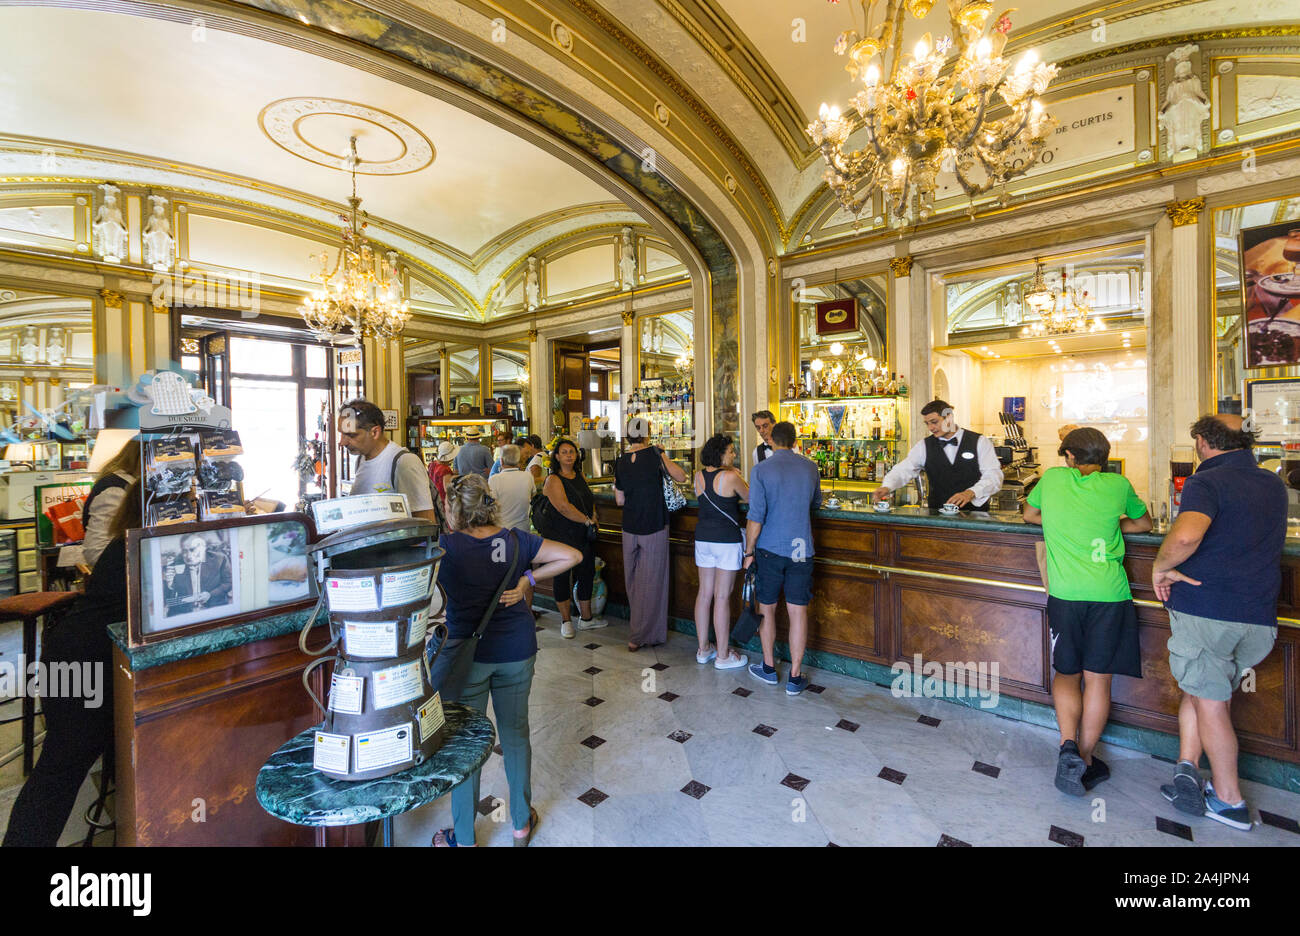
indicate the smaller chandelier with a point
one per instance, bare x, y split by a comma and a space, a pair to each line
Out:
1066, 312
361, 294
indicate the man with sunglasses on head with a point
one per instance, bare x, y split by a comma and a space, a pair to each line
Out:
961, 466
383, 465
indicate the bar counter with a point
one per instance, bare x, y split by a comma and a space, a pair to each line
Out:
890, 587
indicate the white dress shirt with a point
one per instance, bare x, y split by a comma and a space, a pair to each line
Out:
990, 481
760, 445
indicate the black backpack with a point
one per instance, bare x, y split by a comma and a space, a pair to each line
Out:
540, 511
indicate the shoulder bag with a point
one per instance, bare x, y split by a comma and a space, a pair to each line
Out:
673, 498
746, 626
449, 669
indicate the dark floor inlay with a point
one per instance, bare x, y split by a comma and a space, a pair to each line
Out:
795, 782
815, 689
592, 646
695, 789
849, 726
987, 770
1169, 827
742, 692
660, 667
486, 805
592, 701
930, 721
1065, 837
947, 841
681, 737
593, 797
892, 775
669, 696
592, 741
1279, 822
593, 670
765, 730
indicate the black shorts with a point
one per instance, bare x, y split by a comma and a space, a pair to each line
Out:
1097, 636
777, 572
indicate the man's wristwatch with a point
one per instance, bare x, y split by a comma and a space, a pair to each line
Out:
528, 573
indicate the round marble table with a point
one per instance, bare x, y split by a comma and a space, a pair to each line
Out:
289, 788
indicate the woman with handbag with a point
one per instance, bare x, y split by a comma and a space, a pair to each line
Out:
719, 549
572, 521
491, 639
639, 488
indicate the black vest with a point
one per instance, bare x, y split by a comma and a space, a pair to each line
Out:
762, 452
947, 479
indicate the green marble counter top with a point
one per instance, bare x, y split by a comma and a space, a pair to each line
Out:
855, 506
192, 645
289, 788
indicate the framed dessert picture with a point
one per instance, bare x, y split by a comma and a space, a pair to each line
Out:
1270, 299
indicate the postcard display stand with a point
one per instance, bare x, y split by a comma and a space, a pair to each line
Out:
379, 582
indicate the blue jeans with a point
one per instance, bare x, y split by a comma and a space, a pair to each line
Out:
509, 685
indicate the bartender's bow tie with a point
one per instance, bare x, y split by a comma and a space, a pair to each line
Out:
952, 441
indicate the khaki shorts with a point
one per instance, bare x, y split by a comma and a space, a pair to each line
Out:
1208, 658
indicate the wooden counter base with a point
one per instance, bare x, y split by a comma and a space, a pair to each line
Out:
974, 596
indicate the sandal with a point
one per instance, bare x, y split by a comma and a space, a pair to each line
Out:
532, 827
448, 839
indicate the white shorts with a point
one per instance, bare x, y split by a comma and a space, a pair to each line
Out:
725, 556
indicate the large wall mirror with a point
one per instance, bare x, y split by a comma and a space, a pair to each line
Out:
464, 365
666, 345
851, 334
510, 383
47, 351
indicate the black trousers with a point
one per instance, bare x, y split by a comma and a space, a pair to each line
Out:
75, 736
584, 572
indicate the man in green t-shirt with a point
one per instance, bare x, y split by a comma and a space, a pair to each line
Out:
1084, 512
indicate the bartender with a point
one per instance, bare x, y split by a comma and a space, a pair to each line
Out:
961, 466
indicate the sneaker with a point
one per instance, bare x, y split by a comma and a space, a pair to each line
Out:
1187, 792
756, 670
1069, 770
706, 656
1097, 772
1236, 816
796, 684
592, 624
566, 628
733, 660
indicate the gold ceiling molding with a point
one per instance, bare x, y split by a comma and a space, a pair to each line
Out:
792, 136
1183, 213
112, 299
1078, 21
521, 230
902, 267
630, 44
628, 316
282, 122
1210, 35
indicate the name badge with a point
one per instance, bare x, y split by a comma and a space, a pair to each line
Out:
967, 454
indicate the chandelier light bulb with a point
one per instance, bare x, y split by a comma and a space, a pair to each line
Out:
922, 51
836, 348
869, 364
817, 364
1027, 62
824, 111
872, 77
983, 49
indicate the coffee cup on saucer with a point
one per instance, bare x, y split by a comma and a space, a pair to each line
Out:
949, 509
882, 506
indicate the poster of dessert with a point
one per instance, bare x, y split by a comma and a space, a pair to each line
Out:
1270, 282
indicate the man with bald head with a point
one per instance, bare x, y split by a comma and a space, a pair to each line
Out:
1219, 572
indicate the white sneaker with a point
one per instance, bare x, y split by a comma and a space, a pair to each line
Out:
566, 628
734, 660
593, 624
706, 656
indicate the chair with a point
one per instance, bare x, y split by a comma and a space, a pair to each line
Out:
29, 609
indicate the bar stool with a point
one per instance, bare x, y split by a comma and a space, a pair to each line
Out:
29, 609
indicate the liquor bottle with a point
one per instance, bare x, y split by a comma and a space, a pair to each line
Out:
881, 467
789, 388
875, 425
902, 385
871, 470
891, 388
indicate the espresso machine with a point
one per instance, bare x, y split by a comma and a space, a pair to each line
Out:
1019, 462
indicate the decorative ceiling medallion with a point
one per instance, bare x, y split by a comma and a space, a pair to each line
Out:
295, 124
662, 114
561, 36
731, 184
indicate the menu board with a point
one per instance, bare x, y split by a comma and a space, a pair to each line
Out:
1272, 410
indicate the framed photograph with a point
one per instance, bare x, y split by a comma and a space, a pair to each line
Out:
1272, 409
200, 576
1270, 294
837, 315
1115, 466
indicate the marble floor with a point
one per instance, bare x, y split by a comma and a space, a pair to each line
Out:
651, 748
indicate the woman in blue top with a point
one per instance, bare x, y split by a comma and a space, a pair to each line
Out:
478, 554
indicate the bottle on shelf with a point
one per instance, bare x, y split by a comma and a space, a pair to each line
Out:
875, 425
902, 385
891, 388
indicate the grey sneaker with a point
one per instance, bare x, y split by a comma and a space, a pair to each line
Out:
1187, 791
1069, 770
1236, 816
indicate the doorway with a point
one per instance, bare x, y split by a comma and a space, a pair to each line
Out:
588, 384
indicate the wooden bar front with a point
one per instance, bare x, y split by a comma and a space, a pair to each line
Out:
988, 605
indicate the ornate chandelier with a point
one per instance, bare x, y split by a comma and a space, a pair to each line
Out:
1065, 312
921, 120
360, 293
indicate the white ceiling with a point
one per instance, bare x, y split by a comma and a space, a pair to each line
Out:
144, 86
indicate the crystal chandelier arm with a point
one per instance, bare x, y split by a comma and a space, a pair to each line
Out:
893, 28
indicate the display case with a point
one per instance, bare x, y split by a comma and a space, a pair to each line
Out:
8, 562
854, 440
669, 405
425, 434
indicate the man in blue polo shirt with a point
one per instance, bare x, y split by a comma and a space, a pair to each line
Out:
783, 488
1218, 572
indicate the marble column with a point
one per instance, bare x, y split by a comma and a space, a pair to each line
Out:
484, 375
444, 379
1187, 327
627, 358
908, 350
539, 407
112, 357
